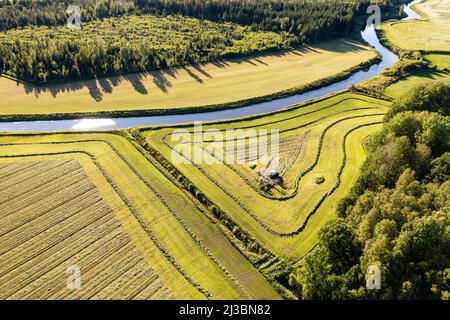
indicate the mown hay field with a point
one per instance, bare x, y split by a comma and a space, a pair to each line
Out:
93, 200
431, 33
193, 86
318, 139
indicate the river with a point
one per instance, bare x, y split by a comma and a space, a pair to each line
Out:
368, 34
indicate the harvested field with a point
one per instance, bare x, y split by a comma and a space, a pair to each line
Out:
192, 86
430, 33
52, 218
94, 201
335, 128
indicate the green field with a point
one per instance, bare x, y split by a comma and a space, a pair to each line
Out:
431, 33
441, 61
441, 65
323, 138
402, 87
166, 234
144, 222
193, 86
216, 239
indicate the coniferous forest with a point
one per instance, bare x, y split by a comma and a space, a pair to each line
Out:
36, 46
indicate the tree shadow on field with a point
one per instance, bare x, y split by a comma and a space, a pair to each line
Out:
159, 80
136, 80
200, 68
193, 75
106, 85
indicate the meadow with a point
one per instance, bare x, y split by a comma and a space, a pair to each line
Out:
440, 61
95, 201
440, 64
320, 139
191, 86
431, 33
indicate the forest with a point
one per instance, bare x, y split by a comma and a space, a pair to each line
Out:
54, 56
396, 216
126, 44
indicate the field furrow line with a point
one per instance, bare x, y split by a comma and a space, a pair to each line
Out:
150, 291
56, 255
45, 170
92, 280
50, 238
55, 280
8, 194
62, 200
91, 263
15, 167
121, 286
44, 225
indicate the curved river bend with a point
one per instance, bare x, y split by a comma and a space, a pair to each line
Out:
369, 35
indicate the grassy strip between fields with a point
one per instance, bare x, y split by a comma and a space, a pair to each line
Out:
147, 228
136, 214
302, 174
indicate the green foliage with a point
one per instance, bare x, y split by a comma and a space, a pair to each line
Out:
434, 97
126, 44
339, 245
440, 169
120, 37
405, 230
21, 13
306, 20
408, 140
408, 63
397, 217
331, 271
320, 179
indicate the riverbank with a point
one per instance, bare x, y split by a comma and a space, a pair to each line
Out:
120, 120
199, 88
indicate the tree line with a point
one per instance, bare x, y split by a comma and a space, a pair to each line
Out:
126, 44
56, 58
397, 215
21, 13
309, 20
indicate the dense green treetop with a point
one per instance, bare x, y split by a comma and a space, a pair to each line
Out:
397, 216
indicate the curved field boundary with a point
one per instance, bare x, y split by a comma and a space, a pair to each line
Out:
201, 109
127, 202
150, 157
187, 229
316, 207
287, 109
294, 191
22, 280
